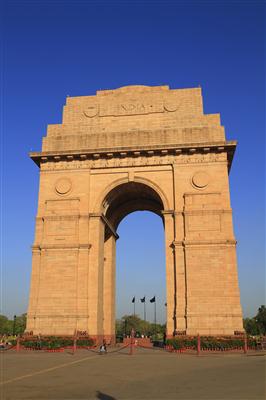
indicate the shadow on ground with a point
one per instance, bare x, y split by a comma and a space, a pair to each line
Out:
104, 396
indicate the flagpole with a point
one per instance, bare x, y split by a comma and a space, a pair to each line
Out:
134, 309
145, 310
155, 313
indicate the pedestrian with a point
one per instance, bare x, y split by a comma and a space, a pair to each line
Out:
103, 348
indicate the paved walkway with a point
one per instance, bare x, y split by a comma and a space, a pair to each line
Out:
148, 374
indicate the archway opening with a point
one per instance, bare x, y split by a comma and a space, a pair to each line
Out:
140, 254
140, 268
127, 198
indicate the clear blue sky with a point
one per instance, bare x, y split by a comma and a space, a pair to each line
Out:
57, 48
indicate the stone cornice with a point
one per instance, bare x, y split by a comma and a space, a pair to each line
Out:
194, 243
61, 246
168, 212
32, 315
214, 314
218, 242
204, 211
136, 151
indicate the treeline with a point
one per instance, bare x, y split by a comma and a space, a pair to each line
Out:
15, 326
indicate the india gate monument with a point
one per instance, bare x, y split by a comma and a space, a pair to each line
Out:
119, 151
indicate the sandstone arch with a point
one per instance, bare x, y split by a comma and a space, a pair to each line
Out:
136, 147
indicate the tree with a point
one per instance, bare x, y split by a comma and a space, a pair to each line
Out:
256, 325
134, 322
10, 326
261, 319
20, 324
5, 325
129, 322
251, 326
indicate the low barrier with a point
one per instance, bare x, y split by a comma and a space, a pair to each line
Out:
138, 341
179, 345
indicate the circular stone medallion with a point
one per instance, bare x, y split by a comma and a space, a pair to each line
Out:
200, 179
63, 185
91, 111
170, 106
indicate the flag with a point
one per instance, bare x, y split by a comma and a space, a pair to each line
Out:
152, 300
133, 300
143, 300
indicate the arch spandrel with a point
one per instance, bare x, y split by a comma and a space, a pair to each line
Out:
157, 189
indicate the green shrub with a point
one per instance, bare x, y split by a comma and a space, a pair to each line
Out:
33, 344
208, 343
54, 342
211, 343
180, 343
85, 342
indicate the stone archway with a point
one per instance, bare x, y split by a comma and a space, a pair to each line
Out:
121, 150
118, 203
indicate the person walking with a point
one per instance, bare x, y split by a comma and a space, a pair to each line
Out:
103, 348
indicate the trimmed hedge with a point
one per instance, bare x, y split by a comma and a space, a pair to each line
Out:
181, 343
209, 343
52, 343
221, 344
85, 342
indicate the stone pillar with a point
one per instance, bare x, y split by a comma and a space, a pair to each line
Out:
82, 321
35, 276
171, 294
109, 289
213, 304
179, 254
34, 290
95, 277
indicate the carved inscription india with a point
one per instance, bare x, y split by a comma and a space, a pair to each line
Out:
129, 108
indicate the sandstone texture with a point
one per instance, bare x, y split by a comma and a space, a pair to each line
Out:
134, 148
